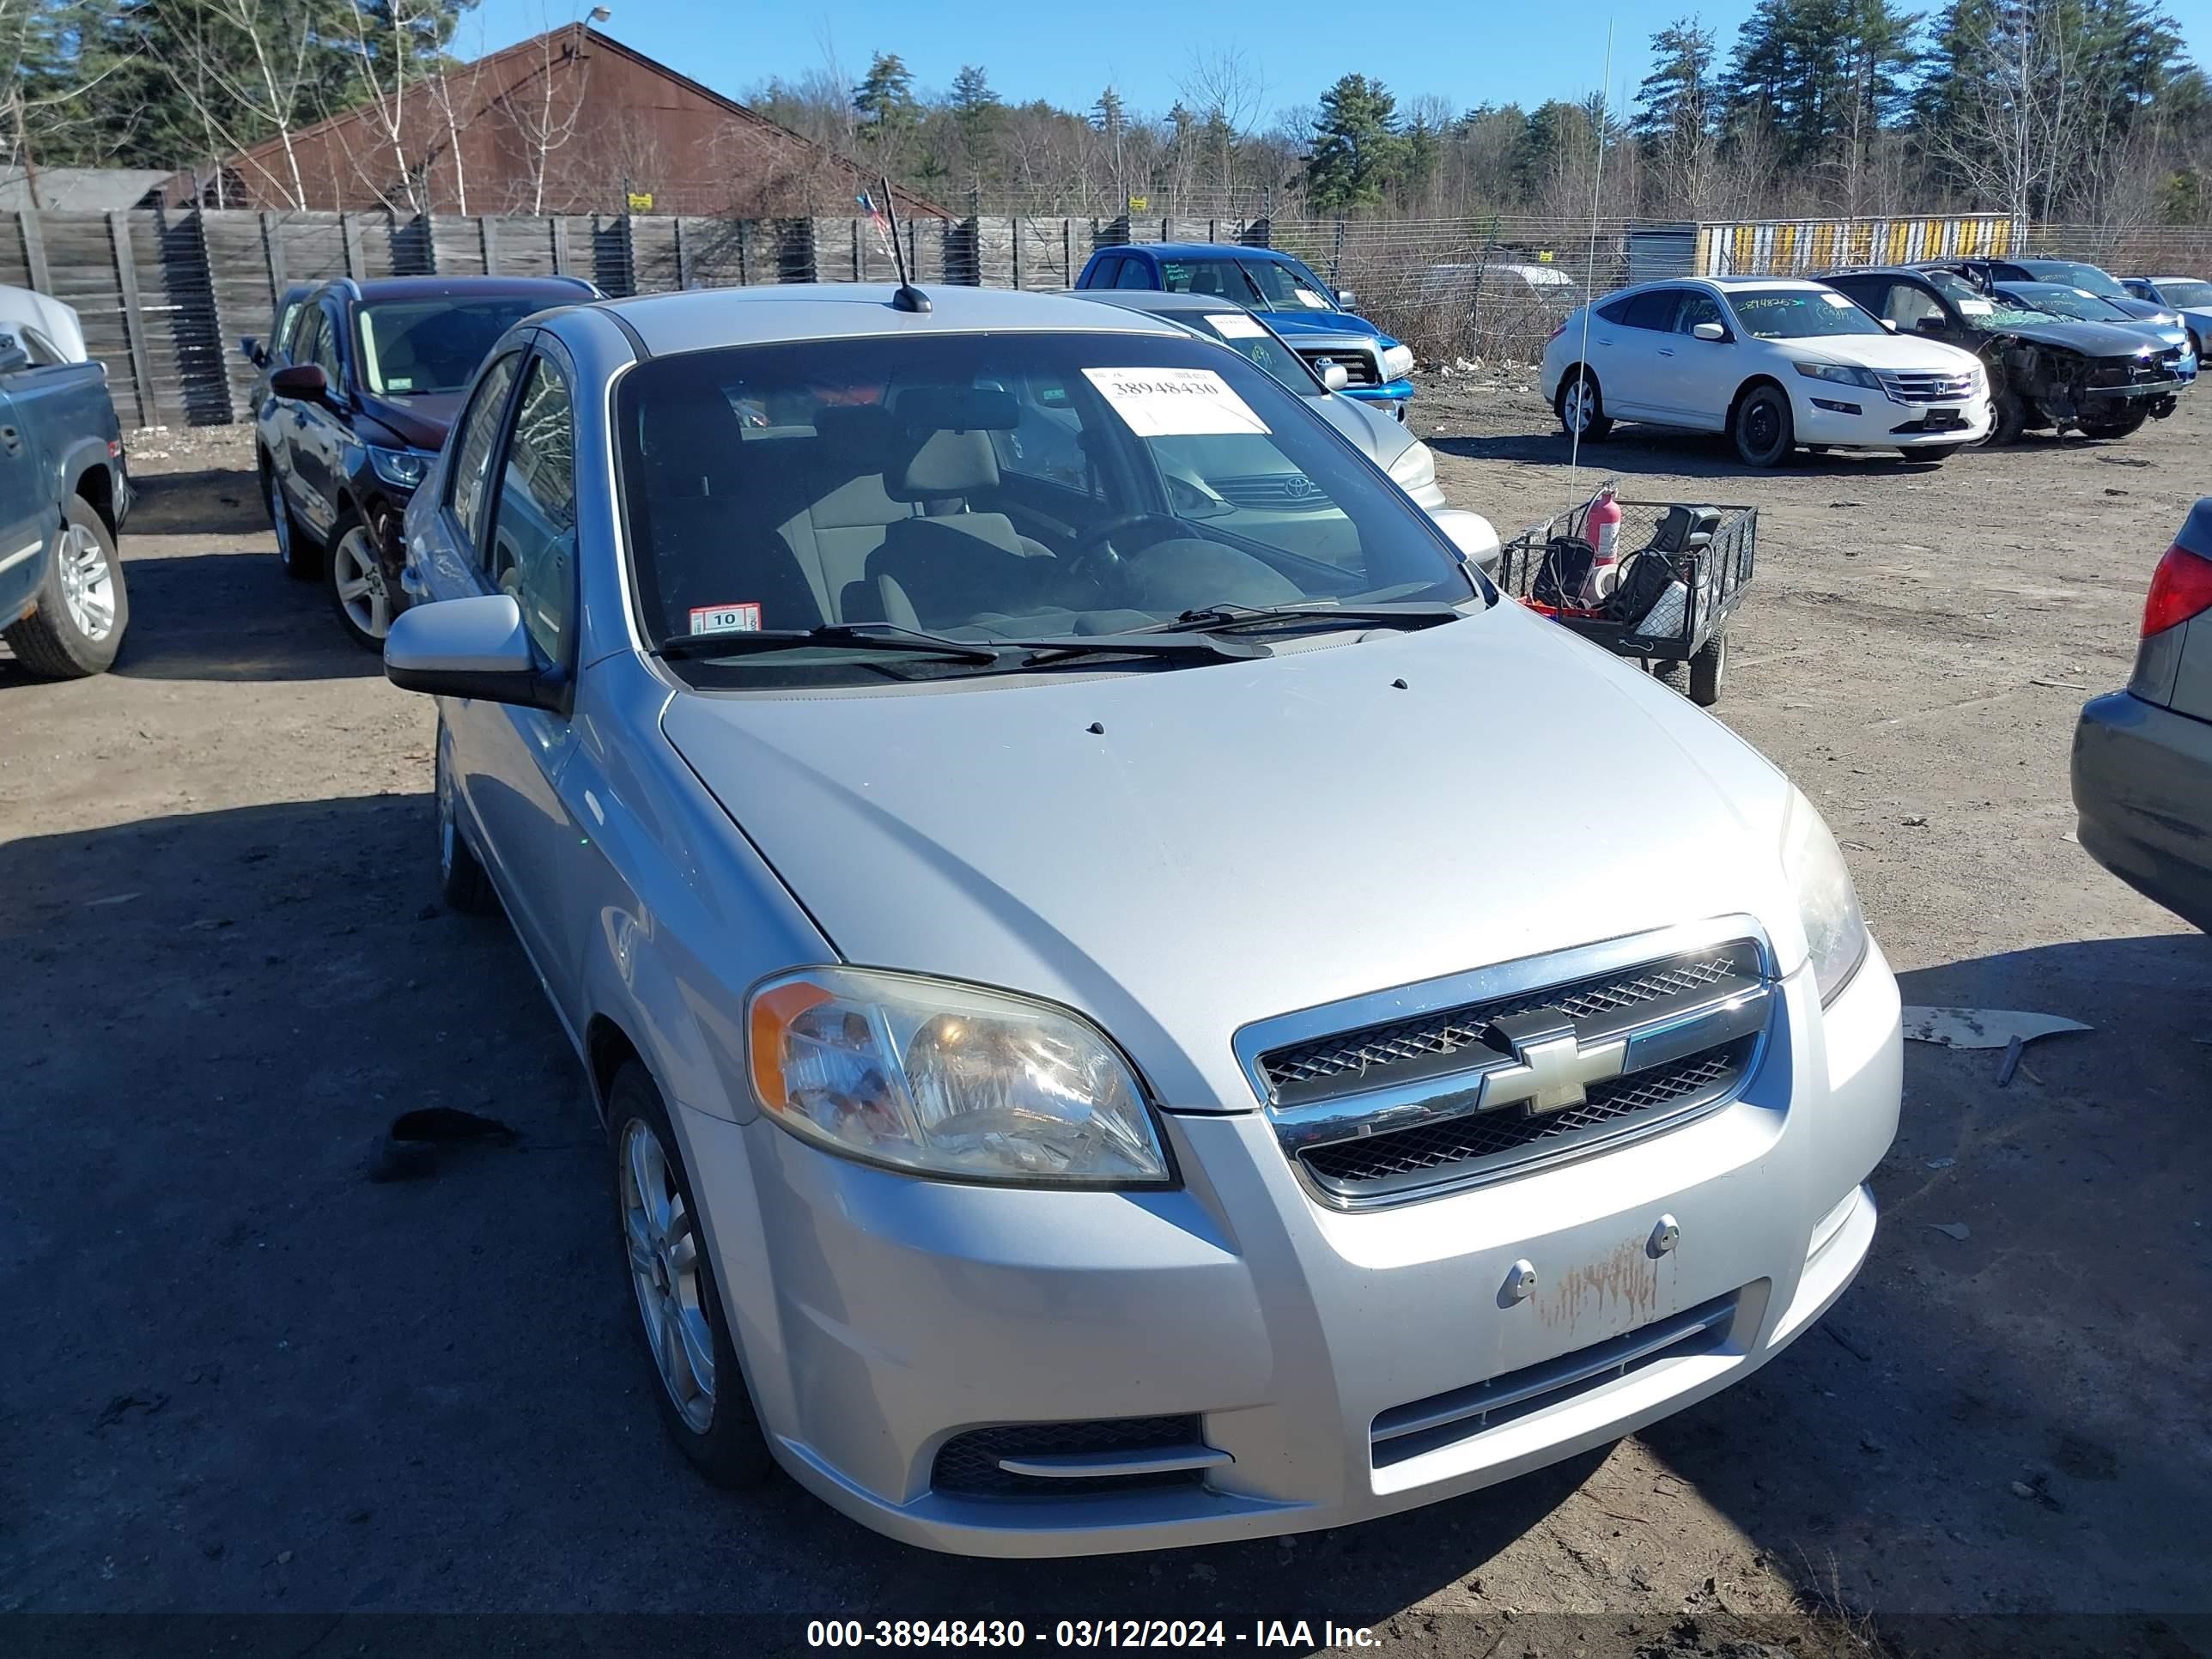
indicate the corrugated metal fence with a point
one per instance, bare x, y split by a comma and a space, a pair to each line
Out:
165, 293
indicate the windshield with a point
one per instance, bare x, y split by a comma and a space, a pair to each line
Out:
410, 346
981, 486
1260, 284
2077, 303
1252, 341
1986, 312
1798, 313
2187, 294
2079, 276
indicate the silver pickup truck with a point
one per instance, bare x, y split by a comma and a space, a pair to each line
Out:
64, 491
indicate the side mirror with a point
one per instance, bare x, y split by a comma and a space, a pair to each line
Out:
1890, 323
1347, 298
1929, 326
472, 647
302, 380
250, 349
1472, 535
1335, 376
1712, 331
12, 356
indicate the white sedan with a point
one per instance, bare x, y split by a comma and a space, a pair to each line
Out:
1773, 363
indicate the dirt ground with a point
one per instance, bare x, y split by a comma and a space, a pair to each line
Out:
241, 1379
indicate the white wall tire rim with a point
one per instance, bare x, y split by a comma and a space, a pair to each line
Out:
359, 583
87, 583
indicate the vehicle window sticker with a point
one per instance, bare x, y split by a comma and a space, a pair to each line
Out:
1975, 307
1841, 302
726, 618
1175, 403
1236, 326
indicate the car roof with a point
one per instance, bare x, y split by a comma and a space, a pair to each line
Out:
1763, 281
1200, 251
1157, 299
553, 290
699, 319
2155, 280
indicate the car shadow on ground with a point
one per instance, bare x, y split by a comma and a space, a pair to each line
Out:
1665, 450
214, 501
280, 1384
233, 615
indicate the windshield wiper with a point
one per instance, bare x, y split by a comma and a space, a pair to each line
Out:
1218, 619
884, 636
1132, 642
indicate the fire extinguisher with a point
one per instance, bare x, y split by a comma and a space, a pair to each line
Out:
1601, 530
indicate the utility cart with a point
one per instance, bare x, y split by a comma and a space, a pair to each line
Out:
1682, 571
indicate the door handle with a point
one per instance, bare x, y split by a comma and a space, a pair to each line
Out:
1666, 351
11, 438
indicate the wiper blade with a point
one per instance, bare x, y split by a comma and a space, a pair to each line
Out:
884, 636
1134, 642
1218, 619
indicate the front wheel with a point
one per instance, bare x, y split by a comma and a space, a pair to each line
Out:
703, 1398
1933, 454
2007, 420
81, 609
1763, 428
1581, 409
295, 549
359, 592
462, 882
2125, 427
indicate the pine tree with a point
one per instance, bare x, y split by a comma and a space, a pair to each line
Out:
1357, 150
1676, 101
976, 111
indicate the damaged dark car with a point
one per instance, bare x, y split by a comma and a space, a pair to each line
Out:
2045, 371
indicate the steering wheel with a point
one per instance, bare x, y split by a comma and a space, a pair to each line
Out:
1094, 560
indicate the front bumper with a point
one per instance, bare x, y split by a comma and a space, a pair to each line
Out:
1857, 417
879, 1316
1391, 397
2143, 783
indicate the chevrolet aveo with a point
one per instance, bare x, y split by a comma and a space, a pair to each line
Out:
1120, 1022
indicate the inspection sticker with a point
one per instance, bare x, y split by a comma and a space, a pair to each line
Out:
1174, 403
1236, 326
725, 619
1841, 302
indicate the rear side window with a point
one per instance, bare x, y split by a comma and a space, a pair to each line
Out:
1654, 309
1616, 311
1104, 273
479, 433
1135, 273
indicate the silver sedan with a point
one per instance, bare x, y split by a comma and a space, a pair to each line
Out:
1121, 1020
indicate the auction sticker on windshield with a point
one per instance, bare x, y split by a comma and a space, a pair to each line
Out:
725, 619
1236, 326
1175, 403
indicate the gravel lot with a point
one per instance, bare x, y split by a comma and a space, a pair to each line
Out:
243, 1379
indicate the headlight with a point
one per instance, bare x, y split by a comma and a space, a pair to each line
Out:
1827, 904
938, 1079
1416, 468
1842, 374
1397, 362
403, 468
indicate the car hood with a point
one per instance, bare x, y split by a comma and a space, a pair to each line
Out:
1381, 439
1899, 353
1296, 324
1179, 852
2091, 339
421, 420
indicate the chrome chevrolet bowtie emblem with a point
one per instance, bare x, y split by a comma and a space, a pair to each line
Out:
1551, 1068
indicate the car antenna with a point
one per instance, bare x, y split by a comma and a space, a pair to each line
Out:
908, 297
1589, 277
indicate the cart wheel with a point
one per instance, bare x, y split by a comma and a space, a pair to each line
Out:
1707, 669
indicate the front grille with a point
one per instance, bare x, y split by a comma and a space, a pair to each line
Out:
1277, 492
1424, 1425
1916, 388
1369, 1057
1407, 1156
967, 1464
2127, 371
1359, 367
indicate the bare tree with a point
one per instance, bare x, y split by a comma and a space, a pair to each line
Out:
248, 86
457, 96
543, 113
2012, 125
1224, 89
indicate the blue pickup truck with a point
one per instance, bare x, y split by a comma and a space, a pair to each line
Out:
1301, 307
62, 495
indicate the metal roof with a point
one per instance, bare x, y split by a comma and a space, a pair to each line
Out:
81, 190
699, 319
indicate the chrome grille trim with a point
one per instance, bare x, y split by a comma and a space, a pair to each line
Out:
1680, 1017
1359, 364
1925, 388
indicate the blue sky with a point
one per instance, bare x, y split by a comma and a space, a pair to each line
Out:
1469, 52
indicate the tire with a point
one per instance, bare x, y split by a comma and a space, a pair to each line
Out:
359, 594
1598, 425
1933, 454
462, 882
82, 610
302, 561
671, 1274
1708, 671
1762, 427
2121, 428
2007, 420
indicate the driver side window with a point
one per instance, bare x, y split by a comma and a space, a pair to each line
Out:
1908, 305
1698, 309
532, 552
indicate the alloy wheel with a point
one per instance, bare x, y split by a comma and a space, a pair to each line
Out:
1575, 409
88, 584
280, 518
359, 579
666, 1271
